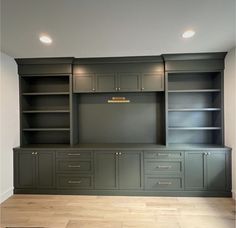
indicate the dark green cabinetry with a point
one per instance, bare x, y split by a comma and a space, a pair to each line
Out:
165, 138
118, 170
130, 170
118, 75
122, 171
120, 82
206, 170
84, 83
106, 166
34, 169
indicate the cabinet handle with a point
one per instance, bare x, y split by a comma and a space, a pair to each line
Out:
120, 153
164, 183
36, 153
116, 89
143, 88
74, 166
164, 166
32, 153
73, 154
74, 182
117, 153
93, 89
119, 89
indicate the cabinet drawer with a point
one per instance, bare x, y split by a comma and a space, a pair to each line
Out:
163, 154
73, 166
163, 183
79, 155
155, 166
74, 181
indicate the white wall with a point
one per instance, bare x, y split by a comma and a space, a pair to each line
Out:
9, 123
230, 110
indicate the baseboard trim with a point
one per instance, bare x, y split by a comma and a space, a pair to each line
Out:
234, 195
123, 192
5, 195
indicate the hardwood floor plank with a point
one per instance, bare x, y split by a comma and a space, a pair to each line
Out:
57, 211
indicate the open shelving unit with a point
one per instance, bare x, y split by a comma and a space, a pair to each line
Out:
194, 113
45, 109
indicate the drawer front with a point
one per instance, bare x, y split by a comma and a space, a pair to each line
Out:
163, 183
73, 166
79, 155
74, 181
163, 155
155, 166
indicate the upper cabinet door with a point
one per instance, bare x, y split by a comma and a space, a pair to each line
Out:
83, 83
129, 82
152, 82
106, 83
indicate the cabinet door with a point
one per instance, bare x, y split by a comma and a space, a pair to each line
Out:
105, 170
195, 167
129, 82
83, 83
25, 171
216, 171
130, 170
45, 169
152, 82
106, 83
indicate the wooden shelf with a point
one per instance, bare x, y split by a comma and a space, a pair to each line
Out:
193, 109
194, 128
194, 91
46, 111
45, 93
46, 129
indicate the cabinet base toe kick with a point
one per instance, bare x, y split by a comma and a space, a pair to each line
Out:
124, 192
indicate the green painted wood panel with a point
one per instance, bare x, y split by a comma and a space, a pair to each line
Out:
106, 170
152, 82
45, 169
130, 170
26, 169
106, 83
163, 183
195, 167
84, 83
216, 171
129, 82
74, 181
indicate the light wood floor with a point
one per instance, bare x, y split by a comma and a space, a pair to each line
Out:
117, 212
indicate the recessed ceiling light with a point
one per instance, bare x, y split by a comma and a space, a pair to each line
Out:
45, 39
188, 34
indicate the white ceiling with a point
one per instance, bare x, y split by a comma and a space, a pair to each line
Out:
92, 28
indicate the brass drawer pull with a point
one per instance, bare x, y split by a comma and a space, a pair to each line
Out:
164, 183
164, 166
73, 154
74, 166
74, 182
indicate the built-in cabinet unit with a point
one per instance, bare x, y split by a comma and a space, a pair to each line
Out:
123, 126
